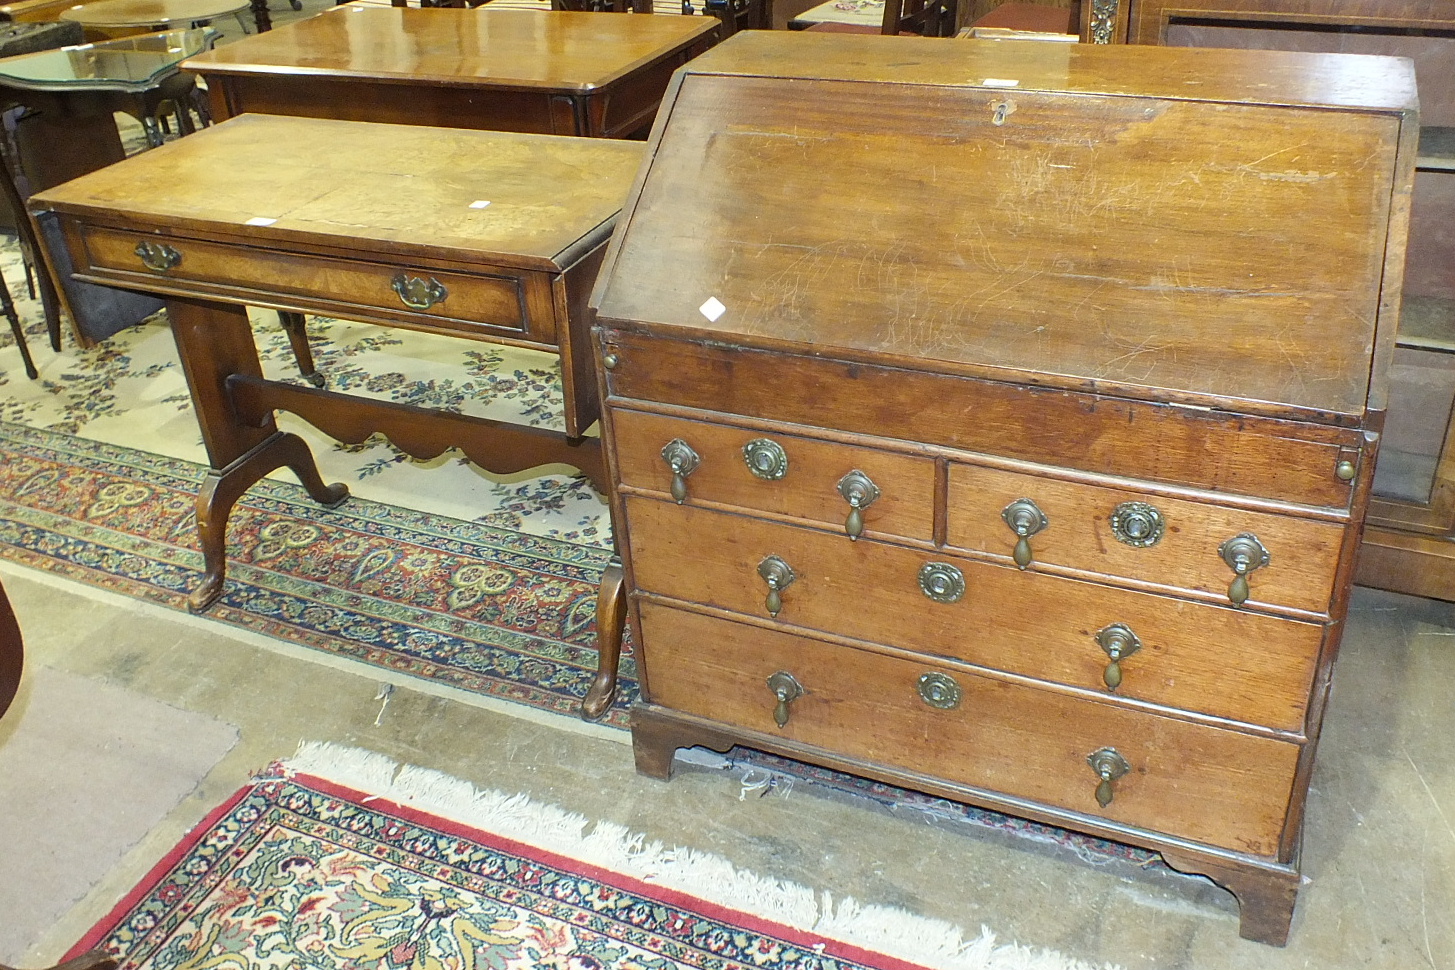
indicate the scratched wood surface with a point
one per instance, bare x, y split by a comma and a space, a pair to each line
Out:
516, 199
1114, 241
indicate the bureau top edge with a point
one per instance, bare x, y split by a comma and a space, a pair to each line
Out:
1354, 81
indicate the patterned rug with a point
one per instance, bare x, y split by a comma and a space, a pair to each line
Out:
298, 870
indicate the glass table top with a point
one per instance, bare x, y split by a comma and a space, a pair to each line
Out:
127, 64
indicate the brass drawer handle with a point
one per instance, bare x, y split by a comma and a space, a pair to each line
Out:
1137, 524
419, 293
786, 689
1243, 553
683, 461
860, 492
1119, 642
158, 256
939, 691
766, 459
1109, 765
941, 582
779, 576
1025, 519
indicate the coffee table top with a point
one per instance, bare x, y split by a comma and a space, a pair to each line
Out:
552, 50
147, 13
127, 64
526, 201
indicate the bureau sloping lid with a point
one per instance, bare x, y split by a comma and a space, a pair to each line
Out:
1204, 226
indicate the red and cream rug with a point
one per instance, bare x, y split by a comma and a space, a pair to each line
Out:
339, 859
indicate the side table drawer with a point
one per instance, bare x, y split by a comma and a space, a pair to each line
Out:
1204, 783
1220, 661
791, 475
451, 301
1154, 539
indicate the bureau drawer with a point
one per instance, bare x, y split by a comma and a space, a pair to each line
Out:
439, 300
1230, 663
796, 476
1203, 783
1152, 539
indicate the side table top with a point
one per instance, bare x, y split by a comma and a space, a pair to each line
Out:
554, 50
526, 201
146, 13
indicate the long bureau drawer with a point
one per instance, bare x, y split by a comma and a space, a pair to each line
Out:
1220, 661
787, 474
1206, 784
442, 300
1161, 540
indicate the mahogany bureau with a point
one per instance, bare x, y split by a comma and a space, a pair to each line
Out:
997, 420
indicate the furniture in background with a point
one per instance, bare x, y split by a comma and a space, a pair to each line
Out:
551, 72
119, 18
1409, 544
365, 222
926, 18
1056, 516
68, 128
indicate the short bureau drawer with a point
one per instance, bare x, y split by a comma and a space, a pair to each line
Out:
1153, 539
440, 300
1204, 783
789, 475
1220, 661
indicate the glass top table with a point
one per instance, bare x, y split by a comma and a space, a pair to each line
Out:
130, 64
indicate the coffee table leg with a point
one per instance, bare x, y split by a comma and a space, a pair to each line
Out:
610, 622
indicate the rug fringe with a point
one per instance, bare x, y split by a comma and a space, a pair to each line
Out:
611, 846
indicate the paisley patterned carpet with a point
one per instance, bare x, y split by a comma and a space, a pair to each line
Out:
300, 871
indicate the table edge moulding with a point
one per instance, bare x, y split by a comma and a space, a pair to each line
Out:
964, 478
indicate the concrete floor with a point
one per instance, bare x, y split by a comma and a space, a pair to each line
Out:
1379, 851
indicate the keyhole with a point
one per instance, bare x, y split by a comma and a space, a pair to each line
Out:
1001, 111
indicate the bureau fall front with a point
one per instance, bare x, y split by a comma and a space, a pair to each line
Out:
997, 420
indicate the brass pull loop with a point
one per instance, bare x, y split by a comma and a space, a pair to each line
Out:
419, 293
939, 690
1109, 766
787, 690
1119, 642
1025, 519
779, 576
1137, 524
942, 582
683, 461
766, 459
1243, 553
860, 492
157, 256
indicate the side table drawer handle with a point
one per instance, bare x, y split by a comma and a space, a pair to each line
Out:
158, 256
419, 293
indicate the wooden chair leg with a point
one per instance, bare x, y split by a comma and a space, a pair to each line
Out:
7, 307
